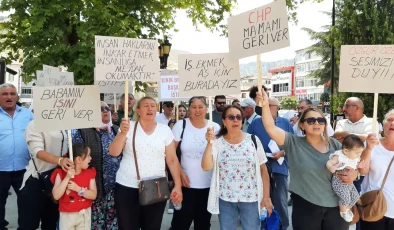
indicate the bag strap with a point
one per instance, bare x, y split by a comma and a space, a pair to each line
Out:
135, 153
254, 141
183, 128
387, 173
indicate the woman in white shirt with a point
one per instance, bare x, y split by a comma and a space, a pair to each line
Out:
154, 147
195, 181
35, 204
240, 184
380, 152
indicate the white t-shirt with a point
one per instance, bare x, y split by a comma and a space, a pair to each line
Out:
363, 126
298, 132
161, 118
150, 155
380, 160
344, 161
192, 148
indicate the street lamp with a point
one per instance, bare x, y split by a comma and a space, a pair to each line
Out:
164, 53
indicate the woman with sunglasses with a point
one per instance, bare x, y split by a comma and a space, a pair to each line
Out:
195, 180
315, 204
240, 183
98, 139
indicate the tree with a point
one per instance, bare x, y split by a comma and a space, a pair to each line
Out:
358, 22
325, 97
61, 33
289, 103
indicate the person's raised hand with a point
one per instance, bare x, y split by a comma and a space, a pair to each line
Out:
125, 125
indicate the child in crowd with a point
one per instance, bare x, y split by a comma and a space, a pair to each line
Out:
75, 191
349, 156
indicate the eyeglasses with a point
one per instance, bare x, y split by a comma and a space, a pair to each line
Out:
232, 117
312, 120
221, 103
301, 108
105, 108
346, 105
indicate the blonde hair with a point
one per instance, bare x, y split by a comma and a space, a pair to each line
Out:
136, 117
302, 120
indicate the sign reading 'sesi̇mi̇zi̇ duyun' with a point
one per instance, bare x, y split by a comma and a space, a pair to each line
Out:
367, 69
260, 30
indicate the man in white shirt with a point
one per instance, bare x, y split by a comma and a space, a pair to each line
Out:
248, 107
166, 116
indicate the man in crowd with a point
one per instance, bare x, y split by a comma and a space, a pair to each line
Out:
14, 155
356, 123
280, 169
339, 116
130, 105
220, 104
236, 102
167, 115
248, 105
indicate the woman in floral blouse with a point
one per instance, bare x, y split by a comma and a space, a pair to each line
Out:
98, 139
240, 182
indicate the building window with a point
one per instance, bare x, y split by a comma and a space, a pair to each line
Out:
243, 95
26, 90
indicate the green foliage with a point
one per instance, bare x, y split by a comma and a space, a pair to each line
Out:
289, 103
358, 22
325, 97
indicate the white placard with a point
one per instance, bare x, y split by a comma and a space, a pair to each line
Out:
109, 98
169, 86
208, 75
40, 78
259, 30
126, 59
50, 76
66, 107
367, 69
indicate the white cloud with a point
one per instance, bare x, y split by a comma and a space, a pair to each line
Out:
309, 15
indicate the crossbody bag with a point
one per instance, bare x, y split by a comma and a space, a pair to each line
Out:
153, 190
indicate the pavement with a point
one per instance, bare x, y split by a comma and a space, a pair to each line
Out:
12, 215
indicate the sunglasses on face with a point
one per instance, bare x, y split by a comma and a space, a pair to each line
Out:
105, 108
221, 103
312, 120
232, 117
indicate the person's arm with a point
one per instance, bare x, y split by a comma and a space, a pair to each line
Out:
175, 169
207, 158
277, 134
331, 164
90, 193
60, 186
372, 141
117, 146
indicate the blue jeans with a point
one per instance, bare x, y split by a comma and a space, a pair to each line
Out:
279, 198
229, 211
357, 184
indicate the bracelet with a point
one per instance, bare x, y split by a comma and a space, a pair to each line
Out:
82, 192
58, 161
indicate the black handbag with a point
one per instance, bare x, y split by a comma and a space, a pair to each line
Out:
150, 191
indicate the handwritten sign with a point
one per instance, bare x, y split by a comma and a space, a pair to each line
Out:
126, 59
66, 107
259, 31
367, 69
109, 98
208, 74
169, 86
51, 76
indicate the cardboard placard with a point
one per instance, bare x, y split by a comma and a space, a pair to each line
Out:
367, 69
208, 75
51, 76
66, 107
126, 59
169, 86
109, 98
259, 30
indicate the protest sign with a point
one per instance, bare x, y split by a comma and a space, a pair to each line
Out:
66, 107
126, 59
208, 74
112, 86
40, 78
109, 98
51, 76
367, 69
259, 30
169, 86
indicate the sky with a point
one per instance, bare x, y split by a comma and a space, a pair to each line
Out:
309, 16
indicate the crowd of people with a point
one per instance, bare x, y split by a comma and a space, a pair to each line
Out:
234, 166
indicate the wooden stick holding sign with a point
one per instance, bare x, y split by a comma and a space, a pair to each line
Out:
375, 129
210, 115
177, 110
259, 77
126, 99
115, 108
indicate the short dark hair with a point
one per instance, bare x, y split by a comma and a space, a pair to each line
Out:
254, 90
307, 101
220, 97
123, 96
352, 141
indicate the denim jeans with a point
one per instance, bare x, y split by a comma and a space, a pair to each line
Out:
229, 211
357, 184
279, 198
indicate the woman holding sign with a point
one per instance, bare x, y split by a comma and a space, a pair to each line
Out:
195, 180
152, 145
315, 204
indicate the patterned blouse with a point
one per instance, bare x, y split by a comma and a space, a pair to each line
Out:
110, 163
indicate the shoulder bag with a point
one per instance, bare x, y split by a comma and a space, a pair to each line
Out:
372, 205
150, 191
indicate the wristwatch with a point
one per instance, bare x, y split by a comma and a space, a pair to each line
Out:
82, 192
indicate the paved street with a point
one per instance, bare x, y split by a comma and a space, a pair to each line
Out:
12, 215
